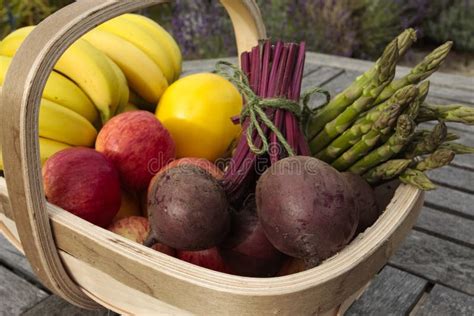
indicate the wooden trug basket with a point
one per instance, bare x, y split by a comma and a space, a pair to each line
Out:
86, 264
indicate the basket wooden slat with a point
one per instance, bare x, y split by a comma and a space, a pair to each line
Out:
110, 267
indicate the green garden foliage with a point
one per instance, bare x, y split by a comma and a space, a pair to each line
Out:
354, 28
455, 22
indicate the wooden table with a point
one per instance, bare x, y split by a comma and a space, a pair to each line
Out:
432, 273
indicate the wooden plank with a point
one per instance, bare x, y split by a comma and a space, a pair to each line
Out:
54, 305
319, 78
334, 80
195, 66
443, 301
17, 295
440, 100
439, 78
392, 292
341, 82
14, 260
309, 68
201, 65
464, 161
446, 226
453, 94
437, 260
451, 200
453, 177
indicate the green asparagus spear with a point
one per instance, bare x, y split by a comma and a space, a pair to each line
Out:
417, 178
383, 125
363, 125
366, 87
414, 108
459, 149
345, 119
405, 40
355, 89
402, 136
449, 113
420, 72
438, 159
428, 144
387, 170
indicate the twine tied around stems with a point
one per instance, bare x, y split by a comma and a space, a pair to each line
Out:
255, 108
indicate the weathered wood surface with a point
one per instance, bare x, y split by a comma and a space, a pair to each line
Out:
11, 258
16, 294
437, 260
54, 305
451, 200
443, 301
432, 273
392, 292
446, 226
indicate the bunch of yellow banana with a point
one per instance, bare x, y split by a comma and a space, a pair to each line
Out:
86, 66
93, 76
145, 52
66, 114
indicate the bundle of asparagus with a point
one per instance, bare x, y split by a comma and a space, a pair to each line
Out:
370, 128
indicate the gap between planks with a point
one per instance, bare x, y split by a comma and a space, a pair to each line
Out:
446, 226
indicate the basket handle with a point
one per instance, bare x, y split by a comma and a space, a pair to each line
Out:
19, 107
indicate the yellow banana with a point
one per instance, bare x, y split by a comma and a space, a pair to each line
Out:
63, 125
142, 74
143, 40
21, 32
83, 64
10, 45
48, 148
123, 91
60, 90
163, 37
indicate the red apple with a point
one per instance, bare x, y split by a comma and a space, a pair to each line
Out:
135, 228
209, 258
83, 182
199, 162
164, 249
138, 144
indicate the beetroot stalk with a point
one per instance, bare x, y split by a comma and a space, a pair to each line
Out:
273, 71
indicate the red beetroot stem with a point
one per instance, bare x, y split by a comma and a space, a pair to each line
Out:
303, 148
279, 92
266, 59
238, 171
273, 71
